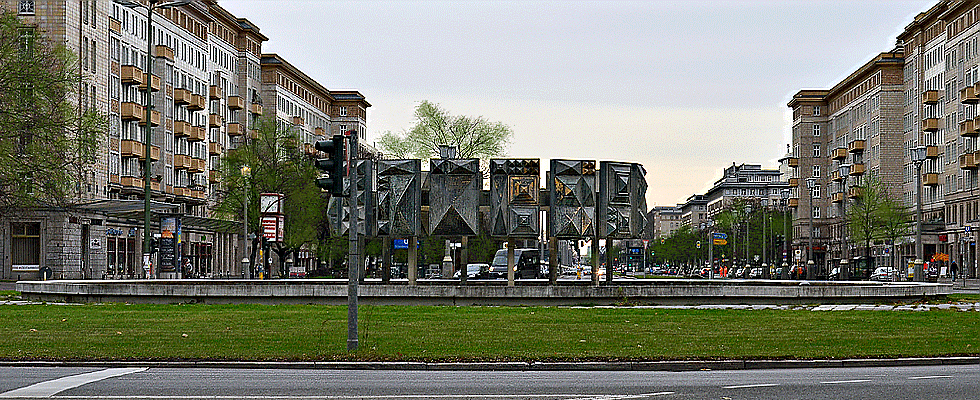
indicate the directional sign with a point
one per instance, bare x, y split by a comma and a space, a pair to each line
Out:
719, 242
719, 235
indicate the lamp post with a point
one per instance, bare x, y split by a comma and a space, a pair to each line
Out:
784, 274
748, 267
765, 262
246, 172
153, 5
811, 184
845, 171
918, 155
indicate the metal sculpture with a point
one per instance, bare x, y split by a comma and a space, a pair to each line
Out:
454, 196
622, 199
514, 203
572, 188
399, 198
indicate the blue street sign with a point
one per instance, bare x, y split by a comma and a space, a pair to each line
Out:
719, 235
401, 243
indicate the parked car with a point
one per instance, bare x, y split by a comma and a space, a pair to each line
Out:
526, 264
475, 271
884, 274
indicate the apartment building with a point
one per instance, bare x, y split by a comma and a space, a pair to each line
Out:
208, 92
663, 221
745, 182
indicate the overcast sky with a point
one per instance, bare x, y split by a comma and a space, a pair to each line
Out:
684, 88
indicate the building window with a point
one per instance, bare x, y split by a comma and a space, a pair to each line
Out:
26, 7
816, 212
816, 130
816, 110
816, 171
343, 111
816, 149
25, 245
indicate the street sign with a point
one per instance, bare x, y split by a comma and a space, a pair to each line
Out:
719, 235
400, 243
719, 242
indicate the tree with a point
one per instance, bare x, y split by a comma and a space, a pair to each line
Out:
875, 215
474, 137
896, 222
50, 132
276, 164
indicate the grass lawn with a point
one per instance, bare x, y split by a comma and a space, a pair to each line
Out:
285, 332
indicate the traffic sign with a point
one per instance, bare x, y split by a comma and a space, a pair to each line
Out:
719, 242
719, 235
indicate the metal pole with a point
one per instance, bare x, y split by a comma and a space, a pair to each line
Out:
809, 250
917, 272
147, 138
353, 261
844, 251
786, 250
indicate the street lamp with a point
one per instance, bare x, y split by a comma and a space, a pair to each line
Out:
845, 171
153, 4
918, 155
246, 172
784, 194
765, 261
811, 184
748, 267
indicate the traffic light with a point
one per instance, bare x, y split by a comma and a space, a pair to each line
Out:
333, 165
154, 245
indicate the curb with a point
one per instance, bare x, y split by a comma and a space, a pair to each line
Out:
670, 366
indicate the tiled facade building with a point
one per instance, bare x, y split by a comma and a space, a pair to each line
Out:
922, 93
210, 85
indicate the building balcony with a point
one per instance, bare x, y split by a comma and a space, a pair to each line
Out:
255, 108
154, 153
930, 179
131, 75
932, 152
182, 161
968, 95
793, 162
215, 149
197, 134
319, 131
165, 52
181, 192
197, 103
130, 111
930, 124
214, 92
253, 133
930, 97
854, 192
968, 161
154, 119
182, 128
131, 182
154, 84
839, 153
793, 202
857, 170
155, 186
968, 128
197, 165
234, 129
114, 179
836, 176
214, 120
297, 120
115, 25
308, 149
837, 197
236, 103
856, 146
182, 96
130, 148
214, 176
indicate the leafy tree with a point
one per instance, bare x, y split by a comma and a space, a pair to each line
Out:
474, 137
896, 221
875, 215
50, 135
276, 164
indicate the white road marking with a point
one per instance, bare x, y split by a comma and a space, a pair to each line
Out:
53, 387
623, 397
406, 396
850, 381
757, 385
931, 377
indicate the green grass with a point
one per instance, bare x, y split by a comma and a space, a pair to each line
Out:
254, 332
9, 295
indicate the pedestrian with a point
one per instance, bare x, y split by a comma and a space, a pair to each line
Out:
953, 268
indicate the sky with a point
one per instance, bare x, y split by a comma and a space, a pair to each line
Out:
685, 88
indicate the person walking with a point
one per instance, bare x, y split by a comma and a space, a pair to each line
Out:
954, 269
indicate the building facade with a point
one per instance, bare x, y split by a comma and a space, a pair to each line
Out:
208, 91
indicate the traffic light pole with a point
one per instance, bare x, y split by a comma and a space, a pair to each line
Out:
353, 258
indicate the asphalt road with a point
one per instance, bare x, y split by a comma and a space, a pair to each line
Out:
932, 382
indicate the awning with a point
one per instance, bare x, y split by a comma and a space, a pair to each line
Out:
133, 210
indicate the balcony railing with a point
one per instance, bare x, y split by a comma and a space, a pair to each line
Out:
197, 165
182, 96
968, 95
968, 128
154, 119
130, 148
214, 120
197, 103
214, 176
214, 92
182, 161
794, 202
968, 161
854, 192
793, 162
154, 84
836, 176
197, 134
857, 169
930, 179
932, 152
839, 153
131, 182
319, 131
165, 52
235, 103
131, 111
297, 120
837, 197
856, 146
930, 97
131, 75
214, 148
930, 124
154, 153
182, 128
234, 129
255, 108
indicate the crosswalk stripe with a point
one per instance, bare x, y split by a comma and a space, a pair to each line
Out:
53, 387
